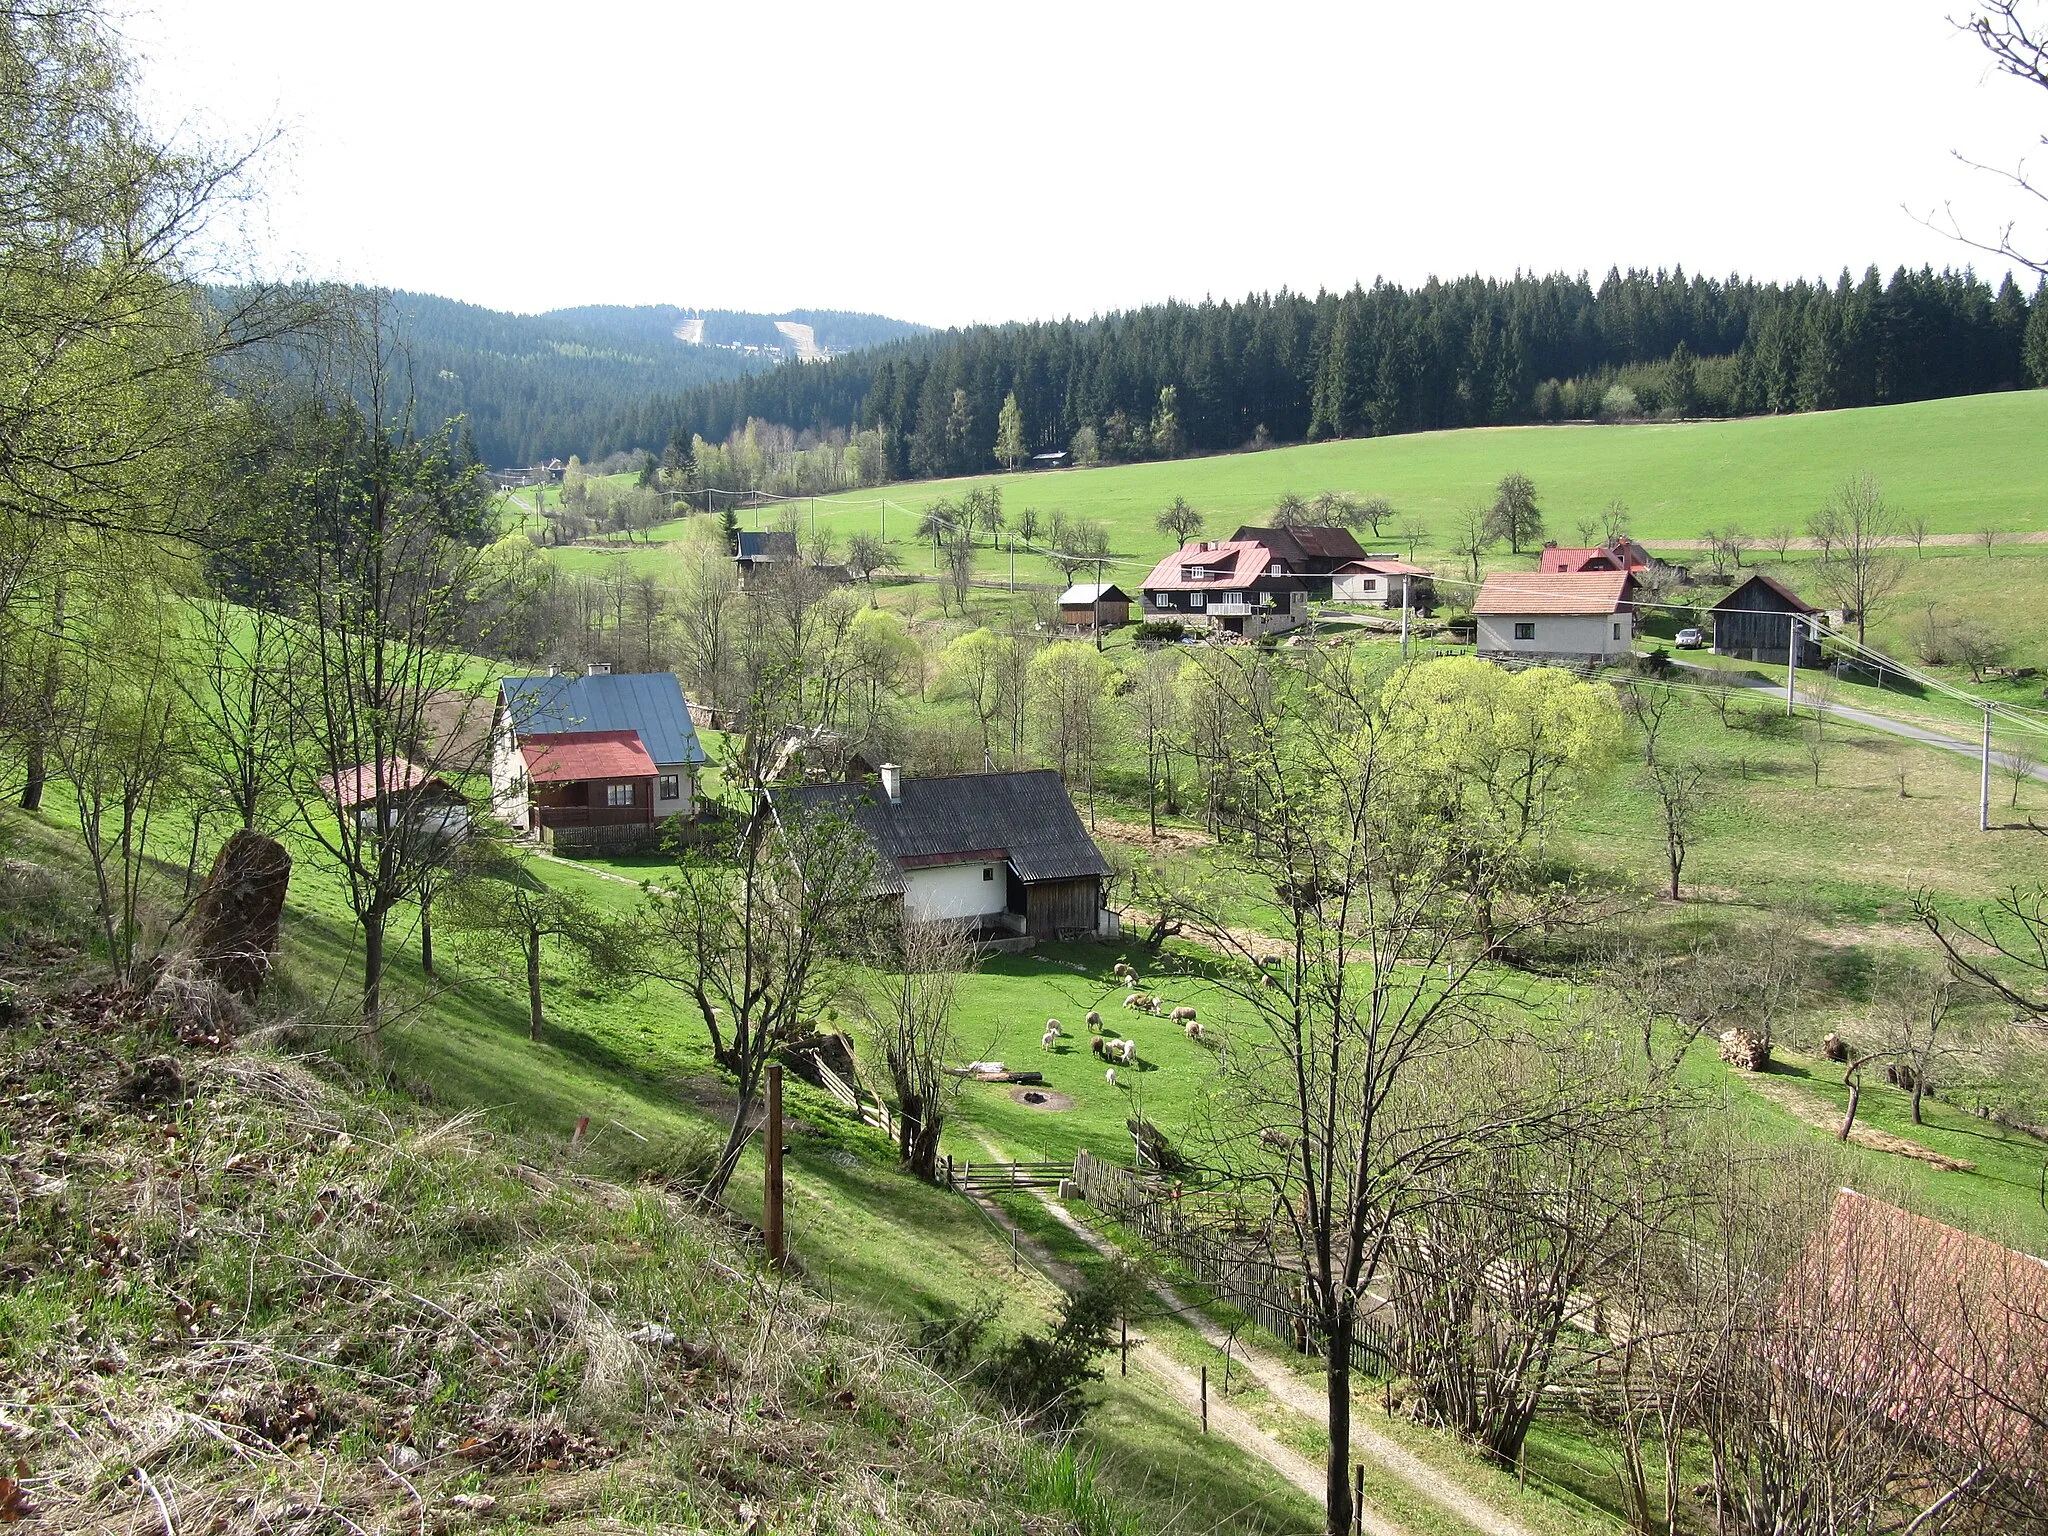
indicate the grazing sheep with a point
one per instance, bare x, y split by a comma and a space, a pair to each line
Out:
1110, 1077
1183, 1015
1128, 1049
1120, 969
1135, 1000
1155, 1004
1094, 1019
1270, 980
1098, 1045
1194, 1030
1052, 1026
1045, 1040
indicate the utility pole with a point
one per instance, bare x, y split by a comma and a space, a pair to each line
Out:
1791, 661
1013, 565
1984, 778
771, 1188
1407, 584
1096, 614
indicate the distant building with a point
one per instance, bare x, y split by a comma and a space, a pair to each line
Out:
756, 554
1621, 554
1000, 854
1089, 605
1058, 458
1234, 586
1755, 623
604, 750
1586, 619
1382, 581
404, 791
1311, 555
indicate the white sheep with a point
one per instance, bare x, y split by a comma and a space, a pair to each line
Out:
1194, 1030
1183, 1015
1045, 1040
1136, 1000
1155, 1004
1109, 1077
1052, 1026
1128, 1049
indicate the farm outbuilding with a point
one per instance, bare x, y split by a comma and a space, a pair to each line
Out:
1090, 605
1754, 623
1381, 581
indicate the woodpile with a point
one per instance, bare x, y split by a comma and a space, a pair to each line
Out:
1744, 1051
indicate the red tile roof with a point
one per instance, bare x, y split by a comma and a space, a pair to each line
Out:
355, 786
563, 757
1943, 1332
1241, 562
1519, 592
1560, 560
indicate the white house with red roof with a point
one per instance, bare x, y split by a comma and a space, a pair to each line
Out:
1381, 581
593, 753
1235, 586
1584, 619
1618, 554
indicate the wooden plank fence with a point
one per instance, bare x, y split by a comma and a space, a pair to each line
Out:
988, 1178
1266, 1289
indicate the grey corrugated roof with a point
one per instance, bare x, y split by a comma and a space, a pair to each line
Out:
650, 703
775, 544
1027, 814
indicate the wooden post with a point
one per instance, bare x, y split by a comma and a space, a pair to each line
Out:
771, 1204
1358, 1498
1984, 778
1124, 1348
1205, 1399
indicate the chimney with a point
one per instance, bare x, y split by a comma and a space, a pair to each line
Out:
554, 669
598, 669
892, 783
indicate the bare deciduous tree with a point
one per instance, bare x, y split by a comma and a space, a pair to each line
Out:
910, 1012
1682, 792
1857, 533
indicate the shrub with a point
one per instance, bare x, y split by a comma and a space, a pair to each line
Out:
1161, 632
1619, 402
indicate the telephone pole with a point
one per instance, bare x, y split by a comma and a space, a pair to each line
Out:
1791, 661
1984, 778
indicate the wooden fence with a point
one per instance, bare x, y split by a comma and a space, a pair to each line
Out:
1224, 1257
988, 1178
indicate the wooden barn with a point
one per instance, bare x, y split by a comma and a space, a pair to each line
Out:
1004, 855
1090, 605
1754, 622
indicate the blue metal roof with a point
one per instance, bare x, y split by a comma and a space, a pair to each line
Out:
650, 703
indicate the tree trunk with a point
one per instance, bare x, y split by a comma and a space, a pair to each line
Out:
533, 1018
1919, 1089
373, 971
427, 930
37, 774
37, 767
1337, 1469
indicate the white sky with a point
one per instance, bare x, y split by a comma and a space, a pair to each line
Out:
959, 162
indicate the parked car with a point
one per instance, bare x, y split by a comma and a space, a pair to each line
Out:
1692, 639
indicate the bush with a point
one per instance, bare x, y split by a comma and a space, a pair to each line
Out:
1619, 402
1161, 632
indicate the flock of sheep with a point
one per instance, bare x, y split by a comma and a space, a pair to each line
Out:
1124, 1051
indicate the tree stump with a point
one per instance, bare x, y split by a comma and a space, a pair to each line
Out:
235, 921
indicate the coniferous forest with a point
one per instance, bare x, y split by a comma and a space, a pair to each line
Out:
1196, 378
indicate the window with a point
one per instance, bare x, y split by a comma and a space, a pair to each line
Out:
1617, 629
618, 794
988, 871
1370, 584
668, 787
1525, 631
1197, 599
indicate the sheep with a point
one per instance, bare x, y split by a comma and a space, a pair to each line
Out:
1052, 1026
1128, 1049
1045, 1040
1194, 1030
1183, 1015
1120, 969
1154, 1004
1135, 1001
1268, 979
1099, 1046
1094, 1019
1110, 1077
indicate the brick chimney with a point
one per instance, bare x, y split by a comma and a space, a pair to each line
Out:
892, 783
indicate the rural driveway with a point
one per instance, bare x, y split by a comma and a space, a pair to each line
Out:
1918, 733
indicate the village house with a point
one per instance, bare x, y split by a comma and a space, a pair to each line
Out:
1230, 585
407, 792
757, 554
1756, 621
1579, 620
1087, 606
1382, 581
1619, 554
1313, 555
603, 758
1003, 855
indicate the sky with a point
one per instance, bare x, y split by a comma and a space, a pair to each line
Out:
955, 163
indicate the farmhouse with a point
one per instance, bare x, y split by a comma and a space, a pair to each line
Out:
756, 554
1581, 620
1620, 554
407, 792
1091, 605
1311, 554
1002, 854
1382, 581
1230, 585
585, 754
1756, 621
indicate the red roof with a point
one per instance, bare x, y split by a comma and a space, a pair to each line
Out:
1237, 562
355, 786
1943, 1332
1518, 592
1621, 555
563, 757
1380, 565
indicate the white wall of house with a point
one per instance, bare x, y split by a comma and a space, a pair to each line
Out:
1369, 587
954, 891
508, 774
1557, 634
679, 803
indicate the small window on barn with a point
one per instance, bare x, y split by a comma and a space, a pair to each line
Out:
1372, 584
988, 871
1525, 631
618, 794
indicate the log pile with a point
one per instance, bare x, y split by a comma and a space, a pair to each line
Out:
1744, 1051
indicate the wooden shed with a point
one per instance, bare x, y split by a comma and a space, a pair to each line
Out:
1089, 605
1754, 622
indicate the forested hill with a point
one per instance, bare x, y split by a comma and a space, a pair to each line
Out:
574, 381
1174, 377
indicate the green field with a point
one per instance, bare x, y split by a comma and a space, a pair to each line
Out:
1966, 463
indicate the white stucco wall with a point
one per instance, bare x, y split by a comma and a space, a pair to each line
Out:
686, 790
954, 891
508, 774
1559, 634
